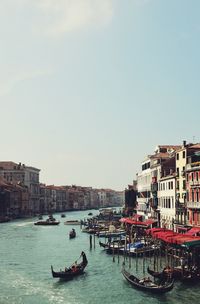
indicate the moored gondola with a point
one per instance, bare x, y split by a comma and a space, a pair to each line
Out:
147, 284
176, 273
72, 271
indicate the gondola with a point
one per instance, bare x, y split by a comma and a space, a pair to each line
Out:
73, 271
176, 273
159, 275
147, 284
72, 234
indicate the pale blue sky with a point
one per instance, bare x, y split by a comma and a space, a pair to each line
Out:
88, 88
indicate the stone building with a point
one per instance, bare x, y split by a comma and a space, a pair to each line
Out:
26, 176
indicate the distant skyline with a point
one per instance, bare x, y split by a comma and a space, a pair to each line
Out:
88, 88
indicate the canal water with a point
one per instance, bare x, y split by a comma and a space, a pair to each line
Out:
27, 252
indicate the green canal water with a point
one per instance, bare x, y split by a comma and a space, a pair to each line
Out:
27, 252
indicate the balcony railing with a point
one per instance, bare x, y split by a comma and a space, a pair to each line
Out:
194, 205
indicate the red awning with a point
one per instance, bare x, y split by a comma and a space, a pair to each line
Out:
193, 231
146, 223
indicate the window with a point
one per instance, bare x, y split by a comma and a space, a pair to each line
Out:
172, 185
192, 196
197, 176
177, 171
169, 185
183, 154
177, 185
177, 156
197, 195
187, 177
184, 185
192, 175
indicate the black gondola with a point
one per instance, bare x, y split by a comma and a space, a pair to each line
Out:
104, 245
161, 274
147, 284
73, 271
176, 273
72, 234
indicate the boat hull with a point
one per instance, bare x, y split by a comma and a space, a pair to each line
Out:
148, 286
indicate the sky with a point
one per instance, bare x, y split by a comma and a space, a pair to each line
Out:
88, 88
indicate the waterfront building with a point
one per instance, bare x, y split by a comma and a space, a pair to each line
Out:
26, 176
193, 188
119, 198
156, 166
94, 197
102, 198
182, 156
144, 189
14, 199
166, 200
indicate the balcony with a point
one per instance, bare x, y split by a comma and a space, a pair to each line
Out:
193, 205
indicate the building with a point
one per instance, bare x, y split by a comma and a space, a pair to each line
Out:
193, 189
182, 201
166, 201
26, 176
156, 166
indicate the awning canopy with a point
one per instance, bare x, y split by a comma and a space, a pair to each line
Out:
146, 223
171, 237
193, 231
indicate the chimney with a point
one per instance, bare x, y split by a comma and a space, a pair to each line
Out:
184, 143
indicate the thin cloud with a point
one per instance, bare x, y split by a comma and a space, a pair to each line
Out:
11, 80
60, 16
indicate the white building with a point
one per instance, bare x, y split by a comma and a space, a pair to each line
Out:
144, 188
166, 200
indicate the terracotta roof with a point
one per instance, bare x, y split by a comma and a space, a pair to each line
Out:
196, 146
176, 147
161, 155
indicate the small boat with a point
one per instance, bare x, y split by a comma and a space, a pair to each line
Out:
50, 221
63, 215
72, 271
138, 249
148, 285
113, 246
72, 234
165, 273
90, 213
109, 234
176, 273
72, 222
